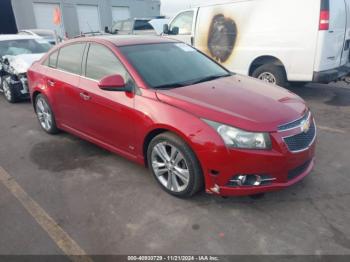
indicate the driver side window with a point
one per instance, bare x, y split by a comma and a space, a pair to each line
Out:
184, 22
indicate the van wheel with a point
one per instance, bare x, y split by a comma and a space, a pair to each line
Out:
272, 74
174, 165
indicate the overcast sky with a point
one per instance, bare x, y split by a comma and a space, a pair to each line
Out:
171, 7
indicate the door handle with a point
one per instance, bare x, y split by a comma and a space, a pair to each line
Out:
85, 96
51, 83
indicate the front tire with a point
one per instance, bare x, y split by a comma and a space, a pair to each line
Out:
9, 92
45, 115
174, 165
271, 74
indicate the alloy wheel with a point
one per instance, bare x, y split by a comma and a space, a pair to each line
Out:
267, 77
44, 114
170, 167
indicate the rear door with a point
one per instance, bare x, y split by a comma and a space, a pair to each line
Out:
346, 52
43, 13
332, 38
120, 13
89, 18
65, 81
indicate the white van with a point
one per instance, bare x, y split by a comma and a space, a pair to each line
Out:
277, 41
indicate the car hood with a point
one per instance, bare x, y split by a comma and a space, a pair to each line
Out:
239, 101
21, 63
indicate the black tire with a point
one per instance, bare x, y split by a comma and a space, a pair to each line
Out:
196, 179
1, 90
53, 127
278, 73
9, 92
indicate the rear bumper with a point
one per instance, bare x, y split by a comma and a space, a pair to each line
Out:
332, 74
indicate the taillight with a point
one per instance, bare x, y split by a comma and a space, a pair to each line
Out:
324, 15
324, 20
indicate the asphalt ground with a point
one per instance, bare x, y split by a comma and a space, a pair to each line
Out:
60, 194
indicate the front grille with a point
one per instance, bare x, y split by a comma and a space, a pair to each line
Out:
301, 141
294, 124
298, 171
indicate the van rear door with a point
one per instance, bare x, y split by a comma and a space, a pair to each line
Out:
346, 52
332, 27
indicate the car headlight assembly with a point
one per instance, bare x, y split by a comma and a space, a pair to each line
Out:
237, 138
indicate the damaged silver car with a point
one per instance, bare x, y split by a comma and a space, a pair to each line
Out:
17, 54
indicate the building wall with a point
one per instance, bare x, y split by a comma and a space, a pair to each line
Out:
25, 18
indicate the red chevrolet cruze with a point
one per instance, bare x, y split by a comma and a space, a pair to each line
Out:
164, 104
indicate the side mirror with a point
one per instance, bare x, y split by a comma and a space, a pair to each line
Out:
175, 30
166, 29
113, 83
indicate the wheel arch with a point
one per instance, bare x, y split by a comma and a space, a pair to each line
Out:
266, 59
157, 130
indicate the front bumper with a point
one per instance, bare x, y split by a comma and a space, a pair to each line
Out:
331, 75
20, 87
281, 164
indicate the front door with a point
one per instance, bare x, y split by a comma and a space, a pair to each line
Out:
182, 27
108, 116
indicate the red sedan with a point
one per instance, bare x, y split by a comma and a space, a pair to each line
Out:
166, 105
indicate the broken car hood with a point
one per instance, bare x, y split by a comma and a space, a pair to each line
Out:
21, 63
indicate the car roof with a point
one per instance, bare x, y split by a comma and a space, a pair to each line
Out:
17, 37
125, 40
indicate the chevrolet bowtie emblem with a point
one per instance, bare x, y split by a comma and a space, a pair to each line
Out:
305, 126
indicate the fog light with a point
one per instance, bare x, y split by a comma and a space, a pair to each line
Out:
251, 180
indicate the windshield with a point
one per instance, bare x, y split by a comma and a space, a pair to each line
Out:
172, 65
24, 46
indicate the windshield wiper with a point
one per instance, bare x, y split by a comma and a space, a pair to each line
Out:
188, 83
174, 85
208, 78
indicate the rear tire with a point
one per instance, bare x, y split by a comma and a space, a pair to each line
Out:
45, 115
9, 92
174, 165
272, 74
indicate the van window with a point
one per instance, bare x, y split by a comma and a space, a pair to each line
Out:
70, 58
184, 22
102, 62
142, 25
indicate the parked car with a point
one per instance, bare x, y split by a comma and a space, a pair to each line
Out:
49, 35
17, 53
133, 26
164, 104
275, 41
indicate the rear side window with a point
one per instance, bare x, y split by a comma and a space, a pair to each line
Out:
102, 62
70, 58
52, 61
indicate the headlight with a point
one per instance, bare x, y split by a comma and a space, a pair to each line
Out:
234, 137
